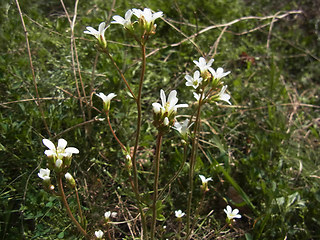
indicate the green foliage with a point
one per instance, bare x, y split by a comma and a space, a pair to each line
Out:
262, 153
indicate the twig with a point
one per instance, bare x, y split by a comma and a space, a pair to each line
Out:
72, 52
38, 102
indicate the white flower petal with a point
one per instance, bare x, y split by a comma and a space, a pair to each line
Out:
62, 144
49, 144
72, 150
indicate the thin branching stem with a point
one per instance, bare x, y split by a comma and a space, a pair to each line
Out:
106, 51
66, 205
192, 164
156, 184
133, 159
114, 134
38, 101
79, 205
177, 172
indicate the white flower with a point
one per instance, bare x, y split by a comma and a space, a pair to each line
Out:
195, 81
203, 65
232, 214
148, 16
68, 176
99, 34
197, 96
126, 21
219, 73
60, 151
109, 214
106, 99
170, 105
182, 128
179, 214
224, 96
205, 180
44, 174
98, 234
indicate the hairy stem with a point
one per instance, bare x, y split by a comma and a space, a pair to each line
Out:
66, 205
192, 164
176, 174
133, 159
156, 185
114, 134
105, 50
38, 102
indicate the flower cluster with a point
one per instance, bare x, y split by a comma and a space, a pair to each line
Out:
140, 29
207, 76
144, 25
60, 156
59, 161
165, 113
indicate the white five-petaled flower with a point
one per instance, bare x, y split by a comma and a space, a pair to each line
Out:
179, 214
148, 16
219, 73
231, 214
60, 151
167, 106
106, 99
203, 65
99, 34
224, 96
182, 128
193, 81
44, 174
98, 234
126, 21
205, 180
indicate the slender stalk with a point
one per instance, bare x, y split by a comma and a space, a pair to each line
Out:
134, 162
108, 232
192, 164
156, 185
106, 51
38, 102
133, 159
79, 205
114, 134
176, 174
66, 205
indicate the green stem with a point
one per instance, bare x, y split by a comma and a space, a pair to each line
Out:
79, 205
192, 164
177, 173
105, 50
114, 134
156, 184
65, 203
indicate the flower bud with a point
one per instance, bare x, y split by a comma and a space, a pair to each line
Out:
70, 179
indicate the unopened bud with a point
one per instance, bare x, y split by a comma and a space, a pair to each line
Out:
70, 179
